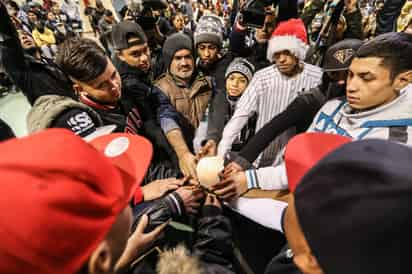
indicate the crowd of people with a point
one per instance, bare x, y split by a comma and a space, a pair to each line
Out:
189, 137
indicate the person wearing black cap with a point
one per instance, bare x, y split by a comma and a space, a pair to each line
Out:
188, 90
351, 212
133, 63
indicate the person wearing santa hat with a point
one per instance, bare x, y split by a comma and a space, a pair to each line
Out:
274, 87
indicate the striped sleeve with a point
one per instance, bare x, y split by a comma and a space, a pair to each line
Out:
268, 178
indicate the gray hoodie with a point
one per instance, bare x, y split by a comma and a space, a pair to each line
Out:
392, 121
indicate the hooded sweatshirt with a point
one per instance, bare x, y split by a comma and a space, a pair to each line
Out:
392, 121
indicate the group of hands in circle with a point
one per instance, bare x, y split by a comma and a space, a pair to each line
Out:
232, 184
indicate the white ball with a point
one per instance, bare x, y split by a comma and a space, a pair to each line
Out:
208, 169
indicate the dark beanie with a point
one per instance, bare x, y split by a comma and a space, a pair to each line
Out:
174, 43
354, 208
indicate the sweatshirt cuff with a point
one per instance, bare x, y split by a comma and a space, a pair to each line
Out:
252, 179
272, 177
168, 124
175, 204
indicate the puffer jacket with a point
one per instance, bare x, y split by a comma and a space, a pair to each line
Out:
190, 101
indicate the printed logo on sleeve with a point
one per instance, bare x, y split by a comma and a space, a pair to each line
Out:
80, 123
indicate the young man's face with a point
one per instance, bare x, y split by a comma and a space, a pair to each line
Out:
11, 10
32, 17
137, 56
182, 64
369, 84
302, 254
178, 22
104, 89
236, 84
51, 16
208, 53
55, 9
286, 62
26, 40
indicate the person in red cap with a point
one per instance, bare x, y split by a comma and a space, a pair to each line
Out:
274, 87
66, 204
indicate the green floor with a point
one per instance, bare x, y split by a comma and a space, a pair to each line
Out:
13, 110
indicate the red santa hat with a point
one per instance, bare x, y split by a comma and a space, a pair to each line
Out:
289, 35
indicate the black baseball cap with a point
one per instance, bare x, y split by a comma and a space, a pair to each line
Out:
340, 55
122, 32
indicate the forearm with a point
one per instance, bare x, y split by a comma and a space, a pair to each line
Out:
128, 256
305, 105
177, 141
217, 118
258, 210
165, 110
267, 178
268, 133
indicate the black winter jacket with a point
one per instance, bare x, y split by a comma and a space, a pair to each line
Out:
34, 77
220, 112
154, 107
213, 244
162, 166
217, 71
256, 54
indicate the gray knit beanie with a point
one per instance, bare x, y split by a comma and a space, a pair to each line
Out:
209, 30
242, 66
174, 43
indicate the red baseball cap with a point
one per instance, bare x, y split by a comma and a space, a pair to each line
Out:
304, 150
60, 197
